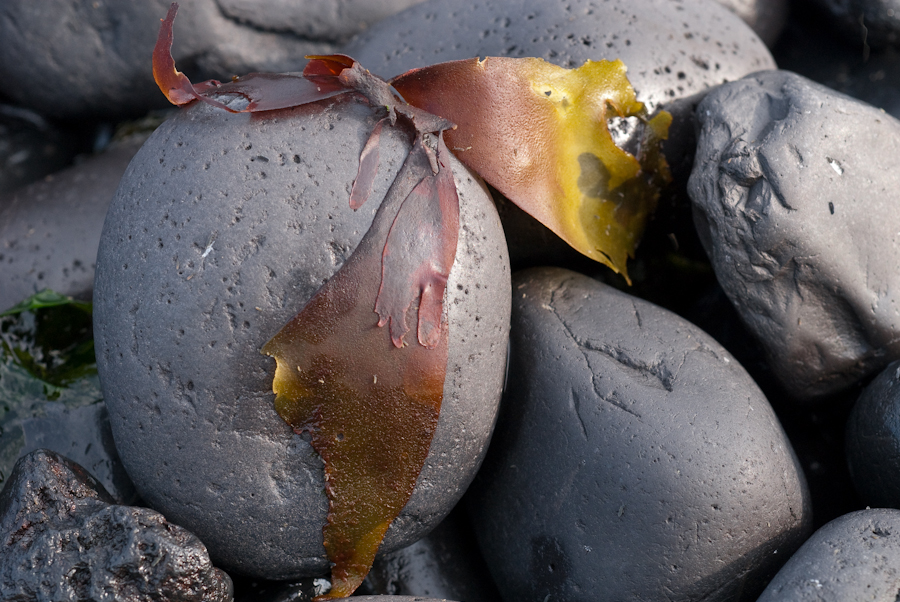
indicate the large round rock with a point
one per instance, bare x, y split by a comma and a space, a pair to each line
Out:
223, 227
634, 458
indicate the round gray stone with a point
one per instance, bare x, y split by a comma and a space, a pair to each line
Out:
634, 459
854, 557
794, 192
223, 227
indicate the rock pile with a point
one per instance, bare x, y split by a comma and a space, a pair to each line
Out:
634, 456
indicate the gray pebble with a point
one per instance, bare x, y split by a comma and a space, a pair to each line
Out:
75, 59
634, 459
794, 192
30, 148
50, 230
854, 557
222, 229
873, 440
62, 538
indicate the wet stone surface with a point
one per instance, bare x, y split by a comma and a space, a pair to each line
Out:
794, 198
854, 557
62, 538
223, 227
633, 456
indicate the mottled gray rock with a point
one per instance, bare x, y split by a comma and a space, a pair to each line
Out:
222, 229
795, 193
30, 148
445, 563
873, 440
634, 459
50, 230
766, 17
854, 557
394, 599
871, 22
82, 435
61, 538
71, 59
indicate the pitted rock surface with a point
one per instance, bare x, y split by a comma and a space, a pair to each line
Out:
873, 440
634, 459
73, 59
795, 194
50, 230
854, 557
62, 538
223, 227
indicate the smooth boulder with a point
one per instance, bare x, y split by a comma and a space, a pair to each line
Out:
222, 229
634, 458
795, 193
854, 557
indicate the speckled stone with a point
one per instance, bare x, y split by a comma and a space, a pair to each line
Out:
50, 230
97, 55
634, 458
794, 192
854, 557
222, 229
873, 440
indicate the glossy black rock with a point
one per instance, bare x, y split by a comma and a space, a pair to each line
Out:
634, 459
62, 538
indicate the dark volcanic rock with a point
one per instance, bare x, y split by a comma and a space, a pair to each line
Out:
222, 229
854, 557
873, 440
766, 17
82, 435
71, 59
50, 230
634, 459
61, 538
794, 191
